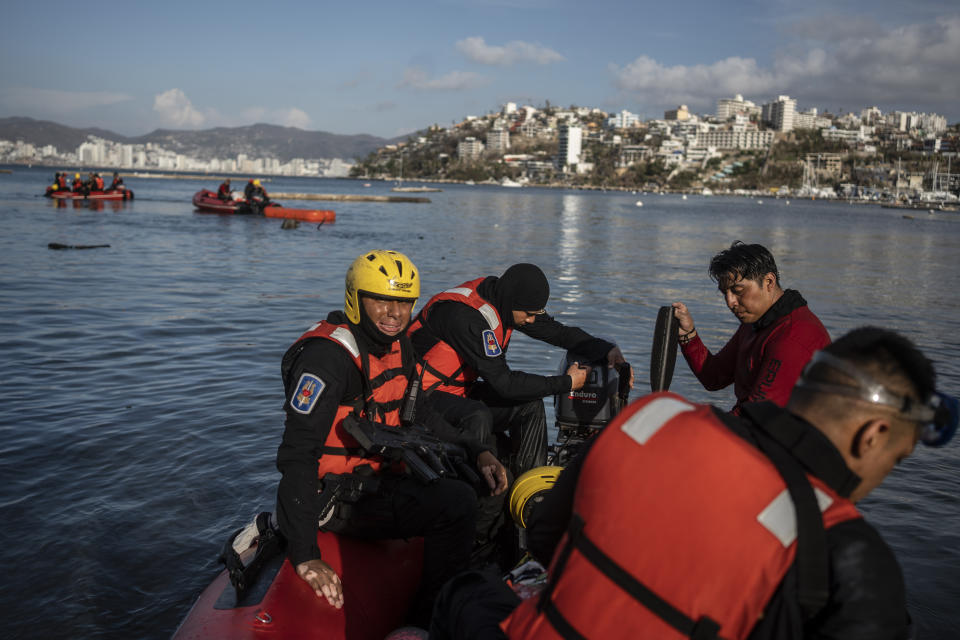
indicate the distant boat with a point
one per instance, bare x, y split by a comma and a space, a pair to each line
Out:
684, 197
366, 184
706, 192
415, 189
470, 182
639, 203
507, 182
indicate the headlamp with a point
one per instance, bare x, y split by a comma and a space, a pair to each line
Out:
938, 415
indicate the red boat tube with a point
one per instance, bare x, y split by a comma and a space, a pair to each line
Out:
206, 201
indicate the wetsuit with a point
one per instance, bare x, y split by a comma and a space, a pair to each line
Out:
763, 359
514, 397
442, 512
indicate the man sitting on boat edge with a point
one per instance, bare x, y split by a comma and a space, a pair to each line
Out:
359, 362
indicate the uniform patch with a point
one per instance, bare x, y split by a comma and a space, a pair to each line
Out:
490, 345
308, 390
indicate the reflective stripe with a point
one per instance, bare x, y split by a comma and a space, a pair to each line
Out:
344, 337
460, 291
491, 315
647, 421
780, 516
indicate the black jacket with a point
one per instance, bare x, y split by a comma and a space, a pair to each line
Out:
461, 327
298, 509
867, 597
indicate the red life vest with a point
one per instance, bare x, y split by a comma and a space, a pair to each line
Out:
670, 501
387, 384
98, 183
442, 368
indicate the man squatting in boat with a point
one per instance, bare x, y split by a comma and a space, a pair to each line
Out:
679, 520
360, 361
777, 335
461, 338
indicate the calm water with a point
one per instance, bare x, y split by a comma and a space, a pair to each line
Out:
140, 404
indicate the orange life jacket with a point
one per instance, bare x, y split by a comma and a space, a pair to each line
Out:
441, 368
387, 382
98, 183
670, 503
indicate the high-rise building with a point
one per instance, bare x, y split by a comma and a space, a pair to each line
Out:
780, 113
623, 120
569, 145
498, 139
469, 148
730, 107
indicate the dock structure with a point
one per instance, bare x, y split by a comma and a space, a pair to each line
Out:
345, 197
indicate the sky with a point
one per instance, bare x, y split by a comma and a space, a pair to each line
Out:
391, 68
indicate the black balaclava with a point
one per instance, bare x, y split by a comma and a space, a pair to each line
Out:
370, 331
522, 287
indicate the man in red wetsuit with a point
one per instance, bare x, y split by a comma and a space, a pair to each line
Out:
777, 336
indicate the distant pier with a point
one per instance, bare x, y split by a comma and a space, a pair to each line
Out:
345, 197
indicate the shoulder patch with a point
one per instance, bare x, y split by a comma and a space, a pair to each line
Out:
490, 345
308, 390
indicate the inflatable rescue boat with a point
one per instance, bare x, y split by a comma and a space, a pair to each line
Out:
112, 194
206, 201
379, 581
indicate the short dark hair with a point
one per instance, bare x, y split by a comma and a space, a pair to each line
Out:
747, 261
890, 358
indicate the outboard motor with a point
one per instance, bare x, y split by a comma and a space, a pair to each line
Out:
581, 413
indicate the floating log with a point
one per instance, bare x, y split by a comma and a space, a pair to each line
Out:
344, 197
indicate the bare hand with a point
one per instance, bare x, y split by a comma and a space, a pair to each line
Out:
614, 358
681, 313
323, 580
493, 472
578, 375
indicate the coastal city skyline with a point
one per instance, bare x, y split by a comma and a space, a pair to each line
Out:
388, 69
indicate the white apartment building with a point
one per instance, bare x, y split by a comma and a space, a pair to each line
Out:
623, 120
736, 139
498, 139
569, 146
469, 148
780, 113
730, 107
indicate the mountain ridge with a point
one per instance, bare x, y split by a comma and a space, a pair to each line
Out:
258, 140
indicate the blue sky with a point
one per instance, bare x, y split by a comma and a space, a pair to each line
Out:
389, 68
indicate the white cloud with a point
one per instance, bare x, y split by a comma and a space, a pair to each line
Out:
32, 100
294, 117
417, 78
908, 67
476, 49
175, 109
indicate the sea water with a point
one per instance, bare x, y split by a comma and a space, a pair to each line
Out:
140, 391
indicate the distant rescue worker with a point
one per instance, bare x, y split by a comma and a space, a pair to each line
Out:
224, 192
359, 361
777, 335
254, 192
461, 338
78, 185
61, 181
682, 521
117, 182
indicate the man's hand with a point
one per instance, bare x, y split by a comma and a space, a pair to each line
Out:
323, 580
614, 358
493, 472
681, 313
578, 375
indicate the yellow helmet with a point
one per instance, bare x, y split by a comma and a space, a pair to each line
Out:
76, 175
387, 274
528, 489
256, 183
